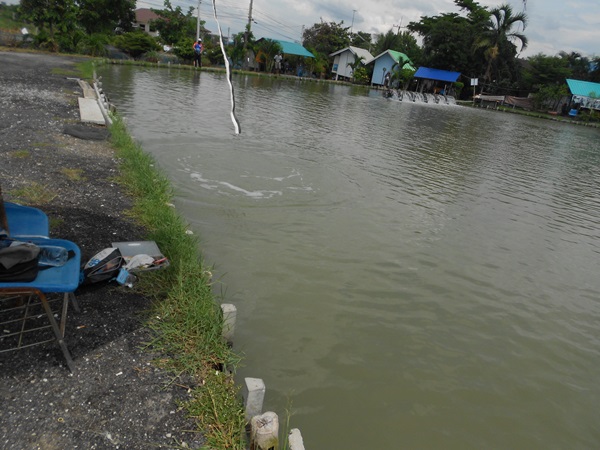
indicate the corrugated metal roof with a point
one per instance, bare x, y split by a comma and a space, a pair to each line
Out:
357, 51
292, 48
584, 88
437, 74
396, 56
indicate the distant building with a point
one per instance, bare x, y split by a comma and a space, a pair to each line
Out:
344, 58
436, 80
586, 94
385, 62
143, 21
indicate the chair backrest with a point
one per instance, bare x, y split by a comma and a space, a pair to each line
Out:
26, 221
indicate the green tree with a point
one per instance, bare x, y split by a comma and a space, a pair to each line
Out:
550, 96
326, 37
136, 43
103, 16
542, 70
447, 42
448, 38
401, 76
595, 69
361, 39
403, 42
266, 49
579, 65
173, 25
499, 33
93, 44
56, 20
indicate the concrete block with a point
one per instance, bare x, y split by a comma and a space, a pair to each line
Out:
295, 440
90, 112
254, 396
88, 91
229, 317
264, 432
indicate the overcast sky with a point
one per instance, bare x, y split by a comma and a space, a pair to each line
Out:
554, 25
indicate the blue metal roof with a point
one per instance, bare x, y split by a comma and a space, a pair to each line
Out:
437, 74
584, 88
293, 48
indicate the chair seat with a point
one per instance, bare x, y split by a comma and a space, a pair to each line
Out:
54, 279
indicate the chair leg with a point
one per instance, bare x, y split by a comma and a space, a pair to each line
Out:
74, 301
57, 332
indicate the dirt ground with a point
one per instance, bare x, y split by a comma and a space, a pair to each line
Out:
116, 399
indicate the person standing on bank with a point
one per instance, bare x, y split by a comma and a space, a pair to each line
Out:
278, 58
198, 53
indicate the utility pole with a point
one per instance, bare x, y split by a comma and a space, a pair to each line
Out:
398, 26
246, 34
352, 26
198, 21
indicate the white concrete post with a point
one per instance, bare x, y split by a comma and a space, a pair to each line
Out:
264, 432
254, 396
295, 440
229, 317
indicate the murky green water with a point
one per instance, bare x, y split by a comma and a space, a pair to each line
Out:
407, 276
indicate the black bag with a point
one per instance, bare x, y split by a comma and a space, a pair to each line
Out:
103, 266
19, 261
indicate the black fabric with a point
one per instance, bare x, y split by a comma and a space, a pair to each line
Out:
19, 262
104, 266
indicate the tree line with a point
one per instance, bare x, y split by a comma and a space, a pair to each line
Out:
477, 41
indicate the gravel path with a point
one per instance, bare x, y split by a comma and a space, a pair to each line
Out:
116, 398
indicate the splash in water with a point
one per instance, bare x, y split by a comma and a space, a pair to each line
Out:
236, 123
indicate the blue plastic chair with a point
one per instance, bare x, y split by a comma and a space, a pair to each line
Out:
63, 279
26, 221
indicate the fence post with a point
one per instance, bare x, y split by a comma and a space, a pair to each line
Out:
264, 432
229, 316
295, 440
254, 396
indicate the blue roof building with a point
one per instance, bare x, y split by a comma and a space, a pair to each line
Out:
586, 93
437, 75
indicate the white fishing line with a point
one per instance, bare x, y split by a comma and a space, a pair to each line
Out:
234, 119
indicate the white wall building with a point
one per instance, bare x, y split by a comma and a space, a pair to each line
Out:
343, 58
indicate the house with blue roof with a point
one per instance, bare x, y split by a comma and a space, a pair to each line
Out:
585, 93
435, 80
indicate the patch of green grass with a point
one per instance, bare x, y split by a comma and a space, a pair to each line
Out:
186, 318
86, 69
21, 154
55, 222
42, 144
34, 194
73, 174
67, 72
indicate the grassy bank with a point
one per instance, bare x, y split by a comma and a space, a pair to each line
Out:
186, 318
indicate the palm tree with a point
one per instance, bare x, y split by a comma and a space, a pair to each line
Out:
502, 20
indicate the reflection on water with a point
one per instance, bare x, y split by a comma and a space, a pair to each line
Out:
408, 276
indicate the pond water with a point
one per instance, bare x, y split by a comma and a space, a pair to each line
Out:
406, 275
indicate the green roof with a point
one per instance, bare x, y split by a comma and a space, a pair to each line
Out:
292, 48
584, 88
398, 57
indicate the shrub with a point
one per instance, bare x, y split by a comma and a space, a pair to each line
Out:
136, 43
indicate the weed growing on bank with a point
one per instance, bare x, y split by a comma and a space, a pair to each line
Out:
186, 318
